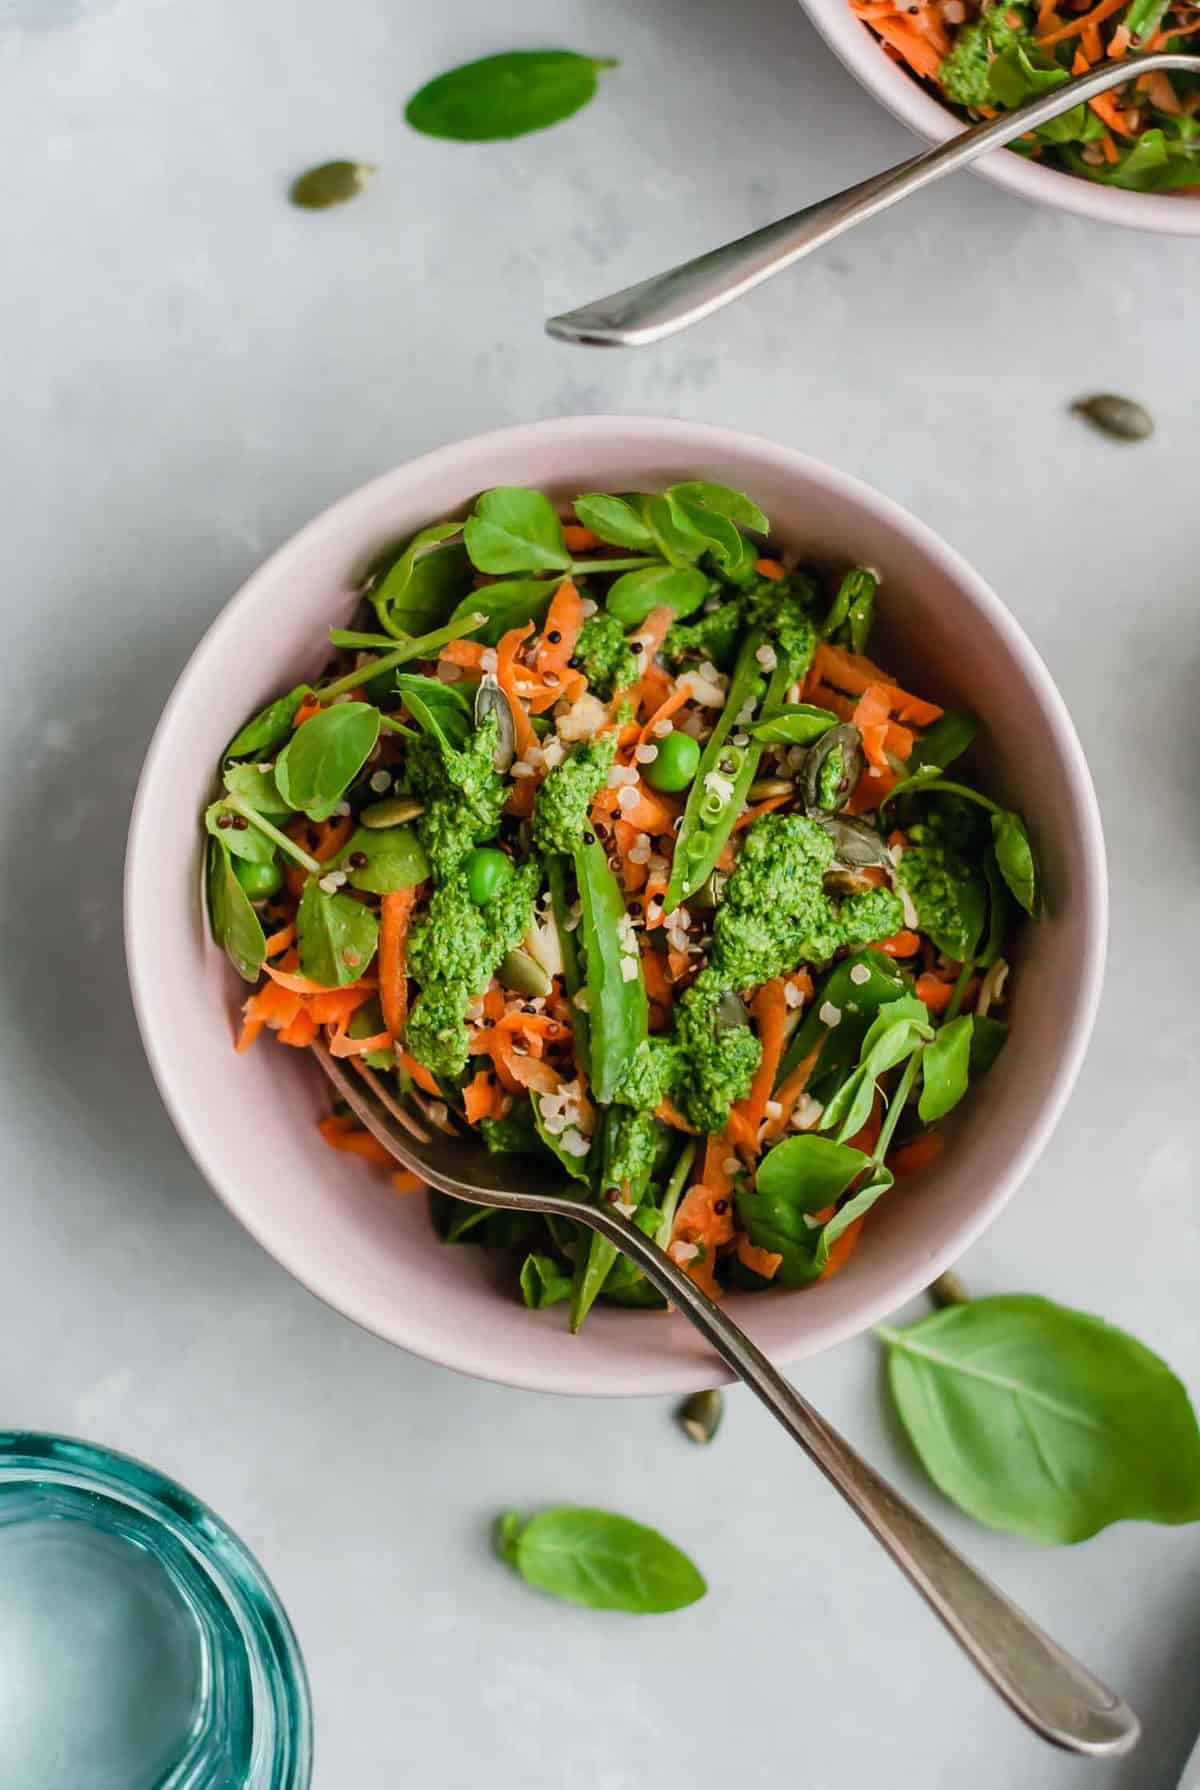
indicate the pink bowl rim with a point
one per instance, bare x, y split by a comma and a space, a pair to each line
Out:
674, 1375
905, 99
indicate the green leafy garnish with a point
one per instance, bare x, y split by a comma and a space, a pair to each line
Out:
325, 755
600, 1560
506, 95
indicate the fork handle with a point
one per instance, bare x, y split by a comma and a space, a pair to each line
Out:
1057, 1696
671, 301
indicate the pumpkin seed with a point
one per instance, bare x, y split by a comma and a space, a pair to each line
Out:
947, 1289
521, 973
491, 700
393, 812
331, 183
766, 787
1122, 418
699, 1417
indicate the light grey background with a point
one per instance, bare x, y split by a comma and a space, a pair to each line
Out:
190, 370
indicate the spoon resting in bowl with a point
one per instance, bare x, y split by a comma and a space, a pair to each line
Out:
668, 302
1055, 1695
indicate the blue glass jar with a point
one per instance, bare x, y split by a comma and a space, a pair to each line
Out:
141, 1645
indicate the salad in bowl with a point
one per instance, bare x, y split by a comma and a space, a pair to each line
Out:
605, 829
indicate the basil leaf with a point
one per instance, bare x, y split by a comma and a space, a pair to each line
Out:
856, 1003
509, 604
269, 726
988, 1038
850, 1107
325, 755
675, 540
792, 724
395, 860
722, 501
419, 588
601, 1560
241, 842
716, 535
257, 788
235, 925
945, 1068
1000, 912
514, 530
543, 1283
945, 741
1014, 855
1043, 1421
800, 1176
336, 936
505, 96
854, 1209
445, 710
633, 595
614, 519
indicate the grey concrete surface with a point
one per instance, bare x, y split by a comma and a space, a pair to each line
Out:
190, 370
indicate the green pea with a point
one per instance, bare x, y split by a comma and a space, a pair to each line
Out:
487, 872
260, 881
677, 762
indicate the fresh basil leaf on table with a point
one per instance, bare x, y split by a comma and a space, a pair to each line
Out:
600, 1560
336, 936
269, 727
325, 755
1044, 1421
506, 95
235, 925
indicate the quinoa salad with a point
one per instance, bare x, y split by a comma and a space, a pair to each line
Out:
605, 831
986, 59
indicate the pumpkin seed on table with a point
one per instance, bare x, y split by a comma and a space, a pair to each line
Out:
1121, 418
330, 183
699, 1417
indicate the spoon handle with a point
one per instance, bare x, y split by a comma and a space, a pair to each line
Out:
671, 301
1059, 1698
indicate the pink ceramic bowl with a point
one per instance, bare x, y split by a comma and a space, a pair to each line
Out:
1170, 214
335, 1224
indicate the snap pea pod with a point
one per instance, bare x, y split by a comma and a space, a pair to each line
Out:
556, 881
855, 1002
700, 842
616, 993
852, 607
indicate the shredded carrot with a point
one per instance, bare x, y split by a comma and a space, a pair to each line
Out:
901, 944
920, 55
770, 1010
1103, 11
789, 1091
280, 941
406, 1180
654, 974
482, 1098
842, 1248
854, 673
1104, 105
670, 705
936, 993
521, 797
749, 815
579, 539
506, 677
1109, 149
301, 1032
1119, 43
308, 708
898, 740
650, 814
769, 568
1163, 36
422, 1076
296, 984
1047, 17
343, 1134
330, 836
395, 912
564, 618
759, 1261
334, 1007
921, 1153
467, 654
343, 1045
493, 1003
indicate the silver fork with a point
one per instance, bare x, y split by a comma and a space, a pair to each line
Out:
671, 301
1048, 1689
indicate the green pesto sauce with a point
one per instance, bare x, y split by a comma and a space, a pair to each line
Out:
947, 895
632, 1149
462, 793
965, 74
784, 607
454, 951
774, 916
829, 779
561, 811
715, 636
603, 656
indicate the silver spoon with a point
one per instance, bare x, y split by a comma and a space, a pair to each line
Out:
670, 301
1048, 1689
